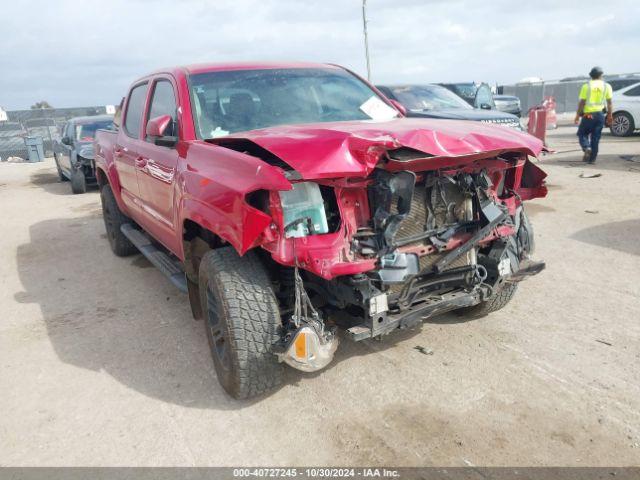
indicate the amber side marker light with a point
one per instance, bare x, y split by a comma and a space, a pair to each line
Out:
301, 346
309, 351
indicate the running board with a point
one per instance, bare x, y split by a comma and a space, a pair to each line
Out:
162, 261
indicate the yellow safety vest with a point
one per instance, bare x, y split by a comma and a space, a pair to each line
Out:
595, 94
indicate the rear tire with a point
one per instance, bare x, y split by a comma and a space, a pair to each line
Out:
497, 301
113, 220
242, 322
622, 125
78, 182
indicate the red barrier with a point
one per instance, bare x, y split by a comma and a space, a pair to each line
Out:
549, 105
538, 122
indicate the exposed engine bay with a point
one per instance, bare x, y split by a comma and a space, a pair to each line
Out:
427, 242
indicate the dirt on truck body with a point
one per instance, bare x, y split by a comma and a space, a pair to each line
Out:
283, 193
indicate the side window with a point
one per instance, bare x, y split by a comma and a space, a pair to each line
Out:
484, 96
634, 92
164, 103
135, 107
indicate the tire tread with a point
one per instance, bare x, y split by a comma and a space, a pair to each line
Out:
120, 245
498, 301
250, 310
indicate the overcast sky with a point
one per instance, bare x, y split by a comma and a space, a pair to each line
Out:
80, 53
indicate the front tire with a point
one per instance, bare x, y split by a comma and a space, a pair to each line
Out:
497, 301
242, 322
622, 125
78, 182
113, 220
60, 174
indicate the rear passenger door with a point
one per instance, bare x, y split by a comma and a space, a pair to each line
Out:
632, 99
125, 150
157, 165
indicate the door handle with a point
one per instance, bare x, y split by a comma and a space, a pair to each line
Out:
140, 162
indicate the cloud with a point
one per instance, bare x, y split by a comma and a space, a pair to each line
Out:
76, 53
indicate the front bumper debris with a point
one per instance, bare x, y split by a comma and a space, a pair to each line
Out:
413, 316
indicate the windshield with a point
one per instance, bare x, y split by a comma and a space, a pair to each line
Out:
236, 101
428, 97
86, 132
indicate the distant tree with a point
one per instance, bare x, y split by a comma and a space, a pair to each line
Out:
41, 104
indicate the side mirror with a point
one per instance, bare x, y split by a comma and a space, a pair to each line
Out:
66, 140
399, 106
156, 128
485, 106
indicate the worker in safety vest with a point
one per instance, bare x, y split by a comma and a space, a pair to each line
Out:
595, 97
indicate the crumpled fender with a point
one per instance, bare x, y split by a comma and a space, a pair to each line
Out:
213, 194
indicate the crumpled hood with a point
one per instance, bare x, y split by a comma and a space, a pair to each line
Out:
85, 149
352, 149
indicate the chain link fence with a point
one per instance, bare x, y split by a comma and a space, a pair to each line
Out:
532, 94
46, 123
565, 92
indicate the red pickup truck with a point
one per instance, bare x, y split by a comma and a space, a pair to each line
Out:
294, 200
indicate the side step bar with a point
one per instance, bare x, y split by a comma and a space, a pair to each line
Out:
162, 261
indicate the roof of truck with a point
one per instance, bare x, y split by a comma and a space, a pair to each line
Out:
229, 66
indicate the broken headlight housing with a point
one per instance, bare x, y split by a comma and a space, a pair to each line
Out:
303, 210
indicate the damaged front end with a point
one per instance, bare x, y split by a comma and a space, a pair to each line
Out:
415, 236
409, 244
84, 162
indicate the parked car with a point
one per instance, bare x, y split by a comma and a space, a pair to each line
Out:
12, 141
435, 101
73, 153
478, 95
626, 114
279, 194
621, 82
45, 128
508, 104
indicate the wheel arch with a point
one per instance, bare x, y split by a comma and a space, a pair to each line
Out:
196, 241
101, 177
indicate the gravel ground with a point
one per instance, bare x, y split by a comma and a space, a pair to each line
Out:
102, 364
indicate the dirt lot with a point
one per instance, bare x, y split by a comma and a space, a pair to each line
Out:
102, 364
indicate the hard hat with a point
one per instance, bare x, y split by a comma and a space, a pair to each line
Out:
596, 72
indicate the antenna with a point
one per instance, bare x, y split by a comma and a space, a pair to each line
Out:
366, 39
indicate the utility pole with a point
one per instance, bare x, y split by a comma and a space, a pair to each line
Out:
366, 39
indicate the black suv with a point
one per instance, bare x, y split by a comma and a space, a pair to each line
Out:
74, 152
